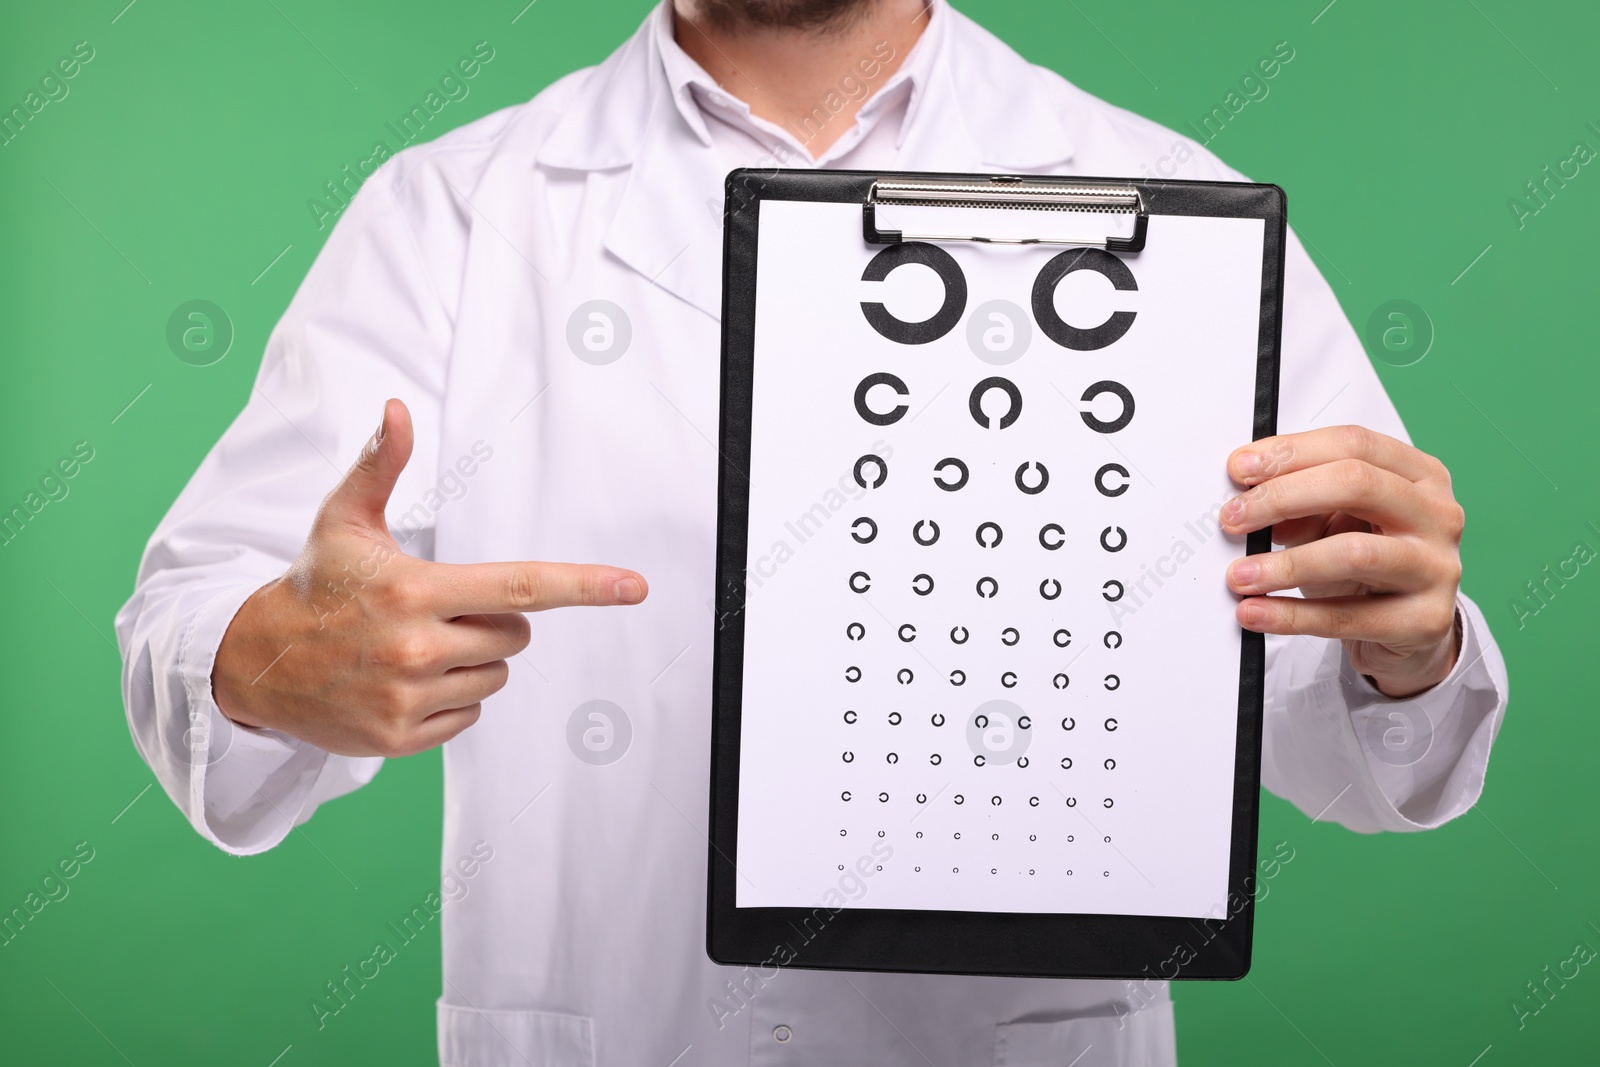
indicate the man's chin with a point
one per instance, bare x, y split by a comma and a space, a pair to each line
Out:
733, 16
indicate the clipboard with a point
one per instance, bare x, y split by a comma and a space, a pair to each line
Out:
931, 377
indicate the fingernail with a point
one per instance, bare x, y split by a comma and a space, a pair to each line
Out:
1248, 464
628, 591
1245, 571
383, 424
1251, 614
1233, 511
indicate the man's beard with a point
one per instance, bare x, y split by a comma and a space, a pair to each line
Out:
817, 16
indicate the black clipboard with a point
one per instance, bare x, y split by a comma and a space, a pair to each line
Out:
943, 941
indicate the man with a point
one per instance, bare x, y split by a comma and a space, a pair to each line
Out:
275, 651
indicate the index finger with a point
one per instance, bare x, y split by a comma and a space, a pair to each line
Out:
493, 588
1269, 457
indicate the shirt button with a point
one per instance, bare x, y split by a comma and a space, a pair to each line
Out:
781, 1033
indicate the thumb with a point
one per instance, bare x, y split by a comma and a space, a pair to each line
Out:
363, 493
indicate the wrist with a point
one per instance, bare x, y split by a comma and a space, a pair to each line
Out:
234, 671
1422, 671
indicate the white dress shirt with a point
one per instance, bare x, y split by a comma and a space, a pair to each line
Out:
450, 281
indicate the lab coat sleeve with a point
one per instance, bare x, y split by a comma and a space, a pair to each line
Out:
366, 324
1333, 745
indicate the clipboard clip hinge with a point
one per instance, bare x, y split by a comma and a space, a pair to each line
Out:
1044, 195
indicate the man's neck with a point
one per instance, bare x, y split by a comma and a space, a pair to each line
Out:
798, 79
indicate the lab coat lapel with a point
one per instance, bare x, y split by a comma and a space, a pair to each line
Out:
668, 224
965, 122
667, 221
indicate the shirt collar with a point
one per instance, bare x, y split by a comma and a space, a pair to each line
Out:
694, 91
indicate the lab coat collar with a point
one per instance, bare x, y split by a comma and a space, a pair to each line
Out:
667, 225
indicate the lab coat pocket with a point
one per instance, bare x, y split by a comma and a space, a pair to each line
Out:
471, 1038
1143, 1038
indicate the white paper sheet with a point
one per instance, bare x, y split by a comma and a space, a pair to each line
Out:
1147, 834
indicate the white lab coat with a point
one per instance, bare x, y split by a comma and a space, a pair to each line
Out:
449, 282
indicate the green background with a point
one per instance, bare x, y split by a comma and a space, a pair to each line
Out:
180, 165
